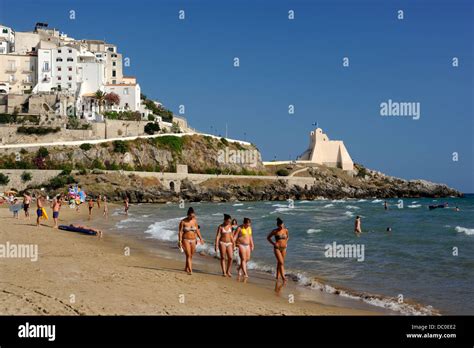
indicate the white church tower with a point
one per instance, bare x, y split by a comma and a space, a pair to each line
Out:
331, 153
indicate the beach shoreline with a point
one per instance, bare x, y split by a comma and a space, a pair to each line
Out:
82, 275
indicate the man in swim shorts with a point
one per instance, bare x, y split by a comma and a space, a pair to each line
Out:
56, 205
26, 204
39, 209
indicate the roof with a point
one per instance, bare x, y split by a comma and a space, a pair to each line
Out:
121, 84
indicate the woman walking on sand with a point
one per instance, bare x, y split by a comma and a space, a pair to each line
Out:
225, 244
244, 241
279, 247
126, 205
188, 234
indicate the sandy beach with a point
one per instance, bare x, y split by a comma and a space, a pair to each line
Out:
78, 274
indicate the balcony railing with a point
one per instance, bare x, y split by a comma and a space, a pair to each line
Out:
28, 70
10, 69
26, 82
46, 69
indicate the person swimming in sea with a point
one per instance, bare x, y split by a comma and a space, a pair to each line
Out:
225, 244
188, 235
244, 241
280, 244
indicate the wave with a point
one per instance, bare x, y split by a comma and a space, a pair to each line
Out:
237, 204
349, 213
328, 206
414, 206
166, 230
467, 231
376, 201
390, 303
338, 201
303, 202
362, 200
126, 223
351, 207
313, 230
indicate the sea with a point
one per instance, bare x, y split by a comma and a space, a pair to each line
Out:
408, 259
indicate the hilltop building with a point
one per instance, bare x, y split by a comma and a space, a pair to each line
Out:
45, 61
331, 153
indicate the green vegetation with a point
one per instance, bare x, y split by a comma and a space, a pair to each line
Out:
4, 179
362, 172
97, 164
26, 176
85, 146
7, 118
123, 115
282, 172
151, 128
42, 152
175, 144
120, 146
37, 130
165, 114
60, 181
224, 141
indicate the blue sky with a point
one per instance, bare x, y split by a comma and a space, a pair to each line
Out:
298, 62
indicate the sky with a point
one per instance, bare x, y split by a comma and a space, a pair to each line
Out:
298, 62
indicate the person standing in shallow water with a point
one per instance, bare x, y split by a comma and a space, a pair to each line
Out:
244, 240
279, 247
188, 235
357, 226
225, 244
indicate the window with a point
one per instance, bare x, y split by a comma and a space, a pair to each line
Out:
45, 66
33, 49
69, 51
5, 31
114, 63
59, 51
59, 68
114, 82
114, 73
70, 59
59, 59
59, 78
69, 85
69, 78
125, 91
69, 68
111, 49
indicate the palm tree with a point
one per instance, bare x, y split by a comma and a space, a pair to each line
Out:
100, 98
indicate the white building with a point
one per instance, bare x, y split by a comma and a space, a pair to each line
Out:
129, 96
7, 39
331, 153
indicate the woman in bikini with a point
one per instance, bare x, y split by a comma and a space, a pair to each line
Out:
244, 241
187, 238
279, 247
225, 244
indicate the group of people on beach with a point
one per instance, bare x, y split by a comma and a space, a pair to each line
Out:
231, 236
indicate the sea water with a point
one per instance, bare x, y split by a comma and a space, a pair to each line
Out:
424, 265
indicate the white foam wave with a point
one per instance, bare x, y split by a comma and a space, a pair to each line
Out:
313, 230
414, 206
362, 200
166, 230
352, 207
328, 206
376, 201
467, 231
349, 213
237, 204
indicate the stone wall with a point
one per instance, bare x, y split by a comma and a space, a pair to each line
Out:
38, 178
115, 129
